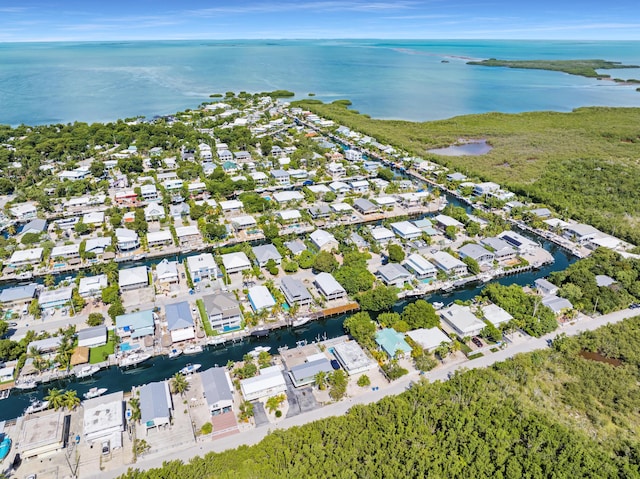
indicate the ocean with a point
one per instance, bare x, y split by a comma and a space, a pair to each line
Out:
103, 81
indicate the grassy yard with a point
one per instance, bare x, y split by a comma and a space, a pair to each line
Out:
583, 164
100, 353
205, 319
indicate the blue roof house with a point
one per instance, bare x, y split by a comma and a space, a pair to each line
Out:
135, 325
392, 342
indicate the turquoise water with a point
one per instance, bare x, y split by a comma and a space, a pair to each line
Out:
65, 82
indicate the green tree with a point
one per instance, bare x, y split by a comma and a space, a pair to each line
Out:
306, 259
364, 381
450, 232
274, 402
179, 384
325, 262
361, 328
385, 174
472, 265
337, 384
246, 411
420, 314
321, 380
56, 398
71, 399
395, 253
382, 298
95, 319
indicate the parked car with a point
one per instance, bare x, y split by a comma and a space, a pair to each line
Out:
634, 305
475, 340
335, 364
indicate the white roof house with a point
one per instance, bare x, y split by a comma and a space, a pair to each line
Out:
382, 234
352, 358
243, 222
393, 274
231, 205
92, 285
55, 298
495, 314
289, 215
187, 234
517, 241
429, 339
341, 207
260, 298
93, 218
95, 336
155, 238
127, 239
421, 268
97, 245
406, 230
448, 263
235, 262
328, 286
153, 211
23, 211
202, 266
286, 196
103, 418
66, 251
270, 382
133, 278
167, 271
26, 256
323, 240
462, 320
445, 221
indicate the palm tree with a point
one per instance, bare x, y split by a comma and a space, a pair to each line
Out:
179, 384
65, 350
321, 379
56, 398
136, 414
273, 403
71, 399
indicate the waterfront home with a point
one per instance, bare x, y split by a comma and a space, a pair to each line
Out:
235, 262
231, 206
392, 274
482, 189
495, 314
243, 222
42, 434
204, 151
421, 268
287, 196
305, 373
153, 211
133, 278
425, 226
359, 186
519, 242
156, 406
270, 382
318, 189
92, 286
295, 246
202, 266
545, 288
501, 249
541, 213
336, 170
223, 311
358, 241
298, 174
277, 151
136, 325
259, 177
46, 345
443, 221
449, 264
281, 177
36, 226
7, 374
463, 322
477, 253
188, 235
104, 419
406, 230
429, 339
455, 177
295, 291
93, 218
230, 167
149, 192
196, 187
323, 240
23, 257
371, 167
218, 390
260, 298
18, 296
66, 223
23, 211
242, 156
354, 156
342, 208
339, 187
159, 238
580, 233
365, 206
379, 183
97, 245
224, 155
126, 198
127, 239
392, 343
172, 185
65, 252
556, 304
179, 321
91, 337
265, 253
382, 235
327, 285
292, 216
167, 272
385, 201
178, 208
55, 298
352, 358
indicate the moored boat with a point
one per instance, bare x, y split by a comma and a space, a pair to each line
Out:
190, 369
94, 393
36, 406
299, 321
26, 384
5, 447
192, 349
87, 371
174, 353
133, 359
255, 352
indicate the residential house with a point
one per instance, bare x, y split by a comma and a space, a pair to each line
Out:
97, 245
443, 221
36, 226
93, 218
429, 339
365, 206
126, 198
336, 170
149, 192
223, 311
291, 216
339, 187
545, 288
133, 278
287, 196
342, 208
159, 238
352, 358
270, 382
235, 262
180, 322
295, 292
243, 222
502, 250
406, 230
455, 177
421, 268
23, 257
153, 212
495, 314
104, 419
231, 206
305, 373
519, 242
127, 239
225, 155
556, 304
66, 251
265, 253
156, 406
392, 343
188, 235
55, 298
477, 253
295, 246
202, 266
259, 177
393, 274
449, 264
92, 337
463, 322
23, 211
91, 286
359, 186
580, 233
323, 240
167, 272
382, 235
18, 296
260, 298
281, 177
354, 156
482, 189
136, 325
218, 390
328, 286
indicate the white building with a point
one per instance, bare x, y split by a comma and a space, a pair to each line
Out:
482, 189
188, 235
159, 238
406, 230
352, 358
133, 278
328, 286
382, 235
260, 298
462, 320
323, 240
24, 257
202, 266
354, 156
448, 263
420, 267
495, 314
270, 382
91, 337
235, 262
127, 239
92, 285
429, 339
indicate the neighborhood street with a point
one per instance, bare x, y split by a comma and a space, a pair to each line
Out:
254, 436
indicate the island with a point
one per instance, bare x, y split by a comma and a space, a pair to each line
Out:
584, 68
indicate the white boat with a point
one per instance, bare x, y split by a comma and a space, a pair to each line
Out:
4, 394
190, 368
94, 393
174, 353
300, 321
255, 352
133, 359
26, 384
36, 406
87, 371
438, 305
192, 349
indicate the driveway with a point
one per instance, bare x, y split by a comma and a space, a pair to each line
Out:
300, 400
259, 414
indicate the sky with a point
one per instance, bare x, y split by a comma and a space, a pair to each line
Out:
101, 20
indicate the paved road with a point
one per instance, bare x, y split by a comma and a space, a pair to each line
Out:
256, 435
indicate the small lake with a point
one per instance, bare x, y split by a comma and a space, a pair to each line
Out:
600, 358
472, 148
